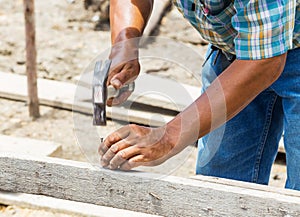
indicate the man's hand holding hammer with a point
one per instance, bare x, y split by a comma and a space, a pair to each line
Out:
132, 145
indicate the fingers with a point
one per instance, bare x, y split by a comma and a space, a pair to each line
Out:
120, 99
123, 156
115, 70
132, 163
120, 76
102, 149
128, 74
133, 146
112, 139
124, 73
114, 150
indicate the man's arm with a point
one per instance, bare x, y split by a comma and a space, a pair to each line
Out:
231, 92
128, 19
235, 88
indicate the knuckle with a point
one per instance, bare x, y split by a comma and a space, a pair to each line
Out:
121, 155
146, 156
104, 158
140, 146
103, 145
111, 138
112, 166
100, 152
114, 148
136, 160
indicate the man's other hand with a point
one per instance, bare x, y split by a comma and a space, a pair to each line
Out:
133, 146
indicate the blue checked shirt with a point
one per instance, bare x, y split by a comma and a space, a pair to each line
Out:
250, 29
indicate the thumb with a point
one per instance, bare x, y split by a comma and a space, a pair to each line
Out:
119, 79
116, 83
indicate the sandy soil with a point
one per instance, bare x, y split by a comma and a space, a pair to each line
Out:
66, 43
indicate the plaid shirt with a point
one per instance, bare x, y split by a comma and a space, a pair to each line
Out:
250, 29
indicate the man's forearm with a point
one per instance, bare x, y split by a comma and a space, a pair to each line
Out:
232, 91
128, 18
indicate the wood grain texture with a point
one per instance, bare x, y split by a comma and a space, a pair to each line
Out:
52, 204
33, 101
141, 192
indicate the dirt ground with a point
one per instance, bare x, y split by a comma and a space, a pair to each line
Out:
67, 43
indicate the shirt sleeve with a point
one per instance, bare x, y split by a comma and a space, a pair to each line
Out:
264, 28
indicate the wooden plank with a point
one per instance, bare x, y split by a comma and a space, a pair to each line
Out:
62, 95
159, 9
246, 185
41, 202
10, 144
155, 91
33, 101
164, 93
141, 192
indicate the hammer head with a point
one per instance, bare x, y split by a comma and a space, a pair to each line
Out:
100, 92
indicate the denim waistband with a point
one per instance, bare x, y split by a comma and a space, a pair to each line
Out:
230, 57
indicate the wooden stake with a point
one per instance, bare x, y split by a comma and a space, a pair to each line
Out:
33, 101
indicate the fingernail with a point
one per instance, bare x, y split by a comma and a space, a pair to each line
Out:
116, 82
103, 163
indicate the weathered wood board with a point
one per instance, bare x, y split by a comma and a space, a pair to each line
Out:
20, 145
142, 192
155, 91
62, 95
52, 204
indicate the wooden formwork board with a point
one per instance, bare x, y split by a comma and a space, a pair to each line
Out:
62, 95
156, 91
40, 202
142, 192
28, 146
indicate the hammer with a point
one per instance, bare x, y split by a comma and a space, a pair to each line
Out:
102, 92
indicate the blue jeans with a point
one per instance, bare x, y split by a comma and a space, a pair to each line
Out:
246, 146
